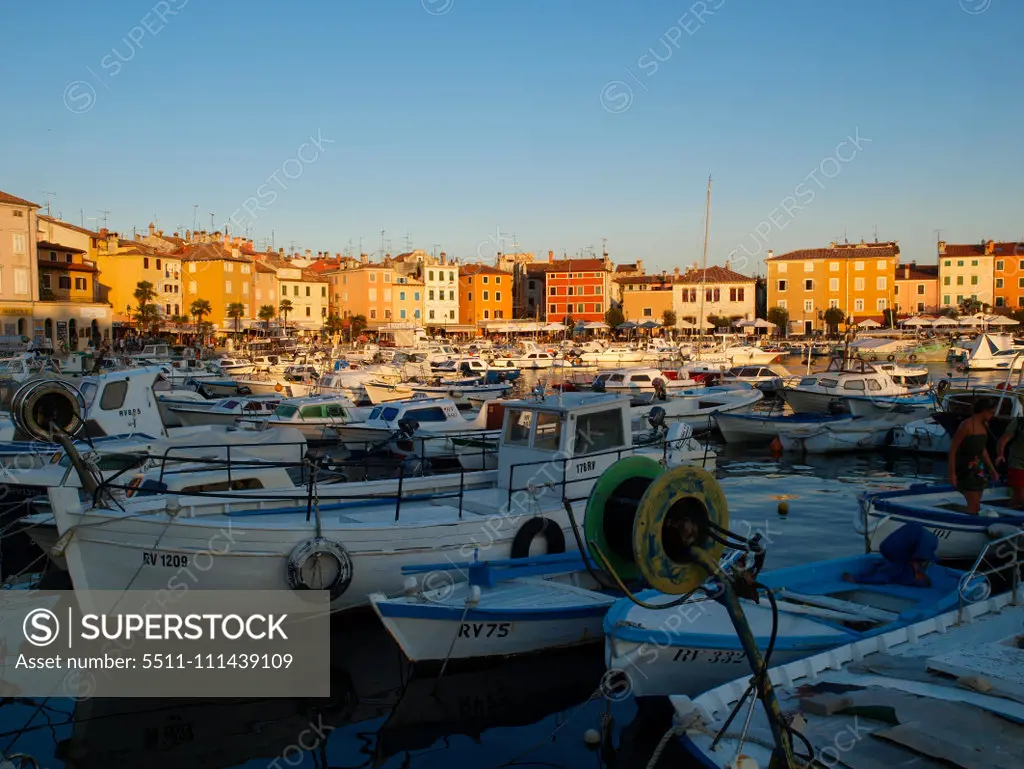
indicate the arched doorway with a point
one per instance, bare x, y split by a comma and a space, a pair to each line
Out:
48, 330
72, 334
21, 327
94, 333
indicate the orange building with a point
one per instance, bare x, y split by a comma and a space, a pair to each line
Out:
485, 293
368, 290
221, 277
917, 288
858, 278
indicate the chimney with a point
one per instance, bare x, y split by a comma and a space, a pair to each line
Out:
112, 243
152, 228
444, 258
676, 272
906, 272
104, 232
942, 248
308, 252
280, 252
160, 233
236, 252
990, 248
770, 254
364, 259
551, 257
640, 266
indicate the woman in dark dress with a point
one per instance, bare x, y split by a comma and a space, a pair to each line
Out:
969, 464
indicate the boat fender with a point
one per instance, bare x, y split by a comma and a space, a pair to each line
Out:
674, 525
912, 358
891, 358
320, 547
553, 535
874, 357
612, 509
1000, 530
278, 387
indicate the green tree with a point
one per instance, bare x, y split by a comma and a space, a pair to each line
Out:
357, 323
285, 307
720, 321
267, 313
889, 318
235, 311
668, 318
147, 315
333, 325
614, 317
970, 306
833, 317
780, 317
198, 309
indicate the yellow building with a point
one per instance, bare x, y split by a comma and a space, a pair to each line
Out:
367, 290
645, 297
407, 296
221, 277
859, 279
18, 276
125, 264
306, 289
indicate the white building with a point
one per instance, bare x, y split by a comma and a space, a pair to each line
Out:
441, 292
717, 291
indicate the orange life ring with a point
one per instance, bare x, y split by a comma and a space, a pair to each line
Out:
278, 387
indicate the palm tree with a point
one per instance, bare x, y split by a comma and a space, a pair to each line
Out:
147, 315
267, 314
198, 309
235, 311
285, 307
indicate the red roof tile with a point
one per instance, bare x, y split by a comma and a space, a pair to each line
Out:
16, 201
481, 269
868, 251
58, 247
209, 252
918, 272
978, 249
714, 274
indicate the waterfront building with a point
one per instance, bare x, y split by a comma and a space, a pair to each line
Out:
917, 288
646, 297
18, 276
967, 272
304, 288
219, 275
858, 278
485, 293
578, 289
123, 264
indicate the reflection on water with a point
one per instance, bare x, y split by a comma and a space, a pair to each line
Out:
525, 711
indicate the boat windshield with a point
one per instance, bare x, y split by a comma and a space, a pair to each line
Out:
389, 414
599, 431
518, 431
285, 412
88, 394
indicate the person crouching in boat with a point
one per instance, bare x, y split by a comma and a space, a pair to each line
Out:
969, 464
1011, 451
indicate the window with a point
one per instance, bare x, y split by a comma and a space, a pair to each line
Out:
497, 279
68, 258
451, 296
881, 264
487, 295
227, 286
881, 304
416, 296
920, 288
46, 280
781, 304
430, 295
859, 266
20, 281
18, 243
401, 314
569, 291
999, 265
858, 305
373, 277
854, 384
113, 395
387, 277
598, 432
959, 280
485, 279
597, 290
430, 276
373, 314
960, 263
372, 296
193, 287
833, 304
579, 308
833, 266
517, 433
469, 297
808, 305
431, 314
323, 292
307, 290
808, 266
920, 305
880, 284
80, 284
809, 284
945, 281
551, 308
948, 263
974, 262
552, 292
945, 298
548, 433
18, 214
648, 312
858, 284
1020, 282
145, 262
451, 277
191, 266
782, 285
833, 284
497, 296
487, 314
999, 284
401, 296
307, 312
974, 280
782, 268
245, 289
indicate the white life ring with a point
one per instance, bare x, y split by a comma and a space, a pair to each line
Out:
320, 547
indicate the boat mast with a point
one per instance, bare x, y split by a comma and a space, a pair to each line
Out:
704, 263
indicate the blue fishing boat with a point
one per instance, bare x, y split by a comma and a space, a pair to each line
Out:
693, 646
940, 509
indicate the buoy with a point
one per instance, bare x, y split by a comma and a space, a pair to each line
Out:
592, 737
775, 447
783, 508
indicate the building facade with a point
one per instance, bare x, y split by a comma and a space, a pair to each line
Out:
578, 289
917, 288
859, 279
441, 292
19, 286
68, 308
967, 272
645, 297
124, 264
716, 291
485, 293
221, 277
304, 288
365, 290
407, 300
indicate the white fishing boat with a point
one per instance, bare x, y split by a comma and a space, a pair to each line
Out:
226, 411
506, 607
698, 406
939, 508
615, 355
988, 352
235, 367
461, 391
857, 434
768, 379
941, 692
639, 380
820, 393
762, 427
532, 357
918, 405
923, 436
552, 452
319, 418
747, 355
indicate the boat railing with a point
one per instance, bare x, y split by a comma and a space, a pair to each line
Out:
1010, 545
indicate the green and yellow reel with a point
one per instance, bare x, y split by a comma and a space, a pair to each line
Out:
645, 521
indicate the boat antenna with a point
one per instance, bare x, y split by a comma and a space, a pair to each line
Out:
704, 265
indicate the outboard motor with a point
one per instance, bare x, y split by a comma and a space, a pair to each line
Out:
656, 418
660, 390
408, 427
598, 386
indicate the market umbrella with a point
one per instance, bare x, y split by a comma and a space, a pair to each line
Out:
1002, 320
869, 323
649, 324
915, 321
595, 325
762, 323
627, 325
743, 324
553, 327
682, 324
943, 321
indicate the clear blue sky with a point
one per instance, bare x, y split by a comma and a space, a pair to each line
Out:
451, 119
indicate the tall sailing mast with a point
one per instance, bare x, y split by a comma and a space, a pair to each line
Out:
704, 260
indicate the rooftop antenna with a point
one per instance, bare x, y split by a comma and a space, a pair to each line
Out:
81, 217
408, 241
273, 234
604, 247
105, 213
195, 215
382, 244
704, 262
846, 240
876, 232
48, 196
212, 214
435, 247
938, 235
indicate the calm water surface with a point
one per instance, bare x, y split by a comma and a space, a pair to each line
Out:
523, 712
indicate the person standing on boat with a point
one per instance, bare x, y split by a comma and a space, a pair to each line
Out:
969, 464
1013, 438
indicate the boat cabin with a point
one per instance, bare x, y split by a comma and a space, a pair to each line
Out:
300, 373
124, 402
153, 351
329, 408
564, 440
628, 380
